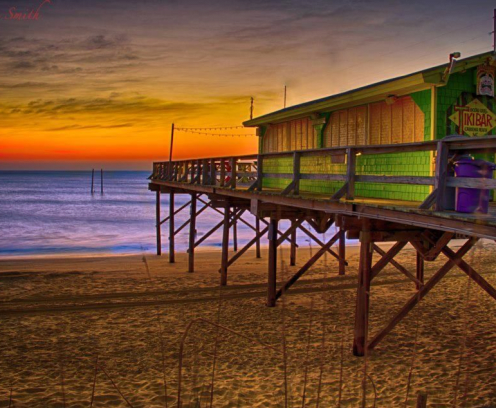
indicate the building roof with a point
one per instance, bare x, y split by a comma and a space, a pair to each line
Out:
399, 86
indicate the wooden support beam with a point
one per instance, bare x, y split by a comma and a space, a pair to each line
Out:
279, 232
247, 246
259, 173
192, 235
342, 251
386, 258
272, 267
319, 242
159, 232
234, 175
289, 188
176, 212
208, 234
235, 233
350, 173
420, 271
417, 297
292, 251
257, 232
441, 175
213, 173
172, 255
465, 267
363, 292
284, 236
296, 172
307, 266
225, 246
222, 181
398, 266
433, 253
340, 193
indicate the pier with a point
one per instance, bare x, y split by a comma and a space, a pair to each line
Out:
235, 185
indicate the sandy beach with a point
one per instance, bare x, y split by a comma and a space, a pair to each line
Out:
58, 316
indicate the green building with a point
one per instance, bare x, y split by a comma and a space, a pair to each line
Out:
454, 98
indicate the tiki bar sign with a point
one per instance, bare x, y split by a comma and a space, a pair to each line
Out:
473, 119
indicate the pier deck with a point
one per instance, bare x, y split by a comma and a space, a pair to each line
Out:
234, 185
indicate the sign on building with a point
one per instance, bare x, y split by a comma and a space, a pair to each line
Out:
473, 119
485, 80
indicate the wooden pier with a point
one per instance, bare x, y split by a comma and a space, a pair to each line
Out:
235, 185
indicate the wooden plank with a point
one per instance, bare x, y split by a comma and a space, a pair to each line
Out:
398, 266
350, 173
225, 246
324, 177
318, 241
192, 234
467, 182
259, 172
433, 253
340, 193
172, 255
386, 258
247, 246
307, 266
272, 267
363, 293
417, 180
290, 187
342, 251
157, 217
429, 201
288, 176
292, 250
419, 271
441, 175
296, 172
257, 232
417, 297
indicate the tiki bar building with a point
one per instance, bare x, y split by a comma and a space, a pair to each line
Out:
378, 164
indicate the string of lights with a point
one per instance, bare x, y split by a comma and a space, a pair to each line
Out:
210, 128
213, 134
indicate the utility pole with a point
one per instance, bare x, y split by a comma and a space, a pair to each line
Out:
251, 108
284, 95
494, 32
170, 153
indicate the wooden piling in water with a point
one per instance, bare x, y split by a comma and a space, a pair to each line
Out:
92, 180
101, 181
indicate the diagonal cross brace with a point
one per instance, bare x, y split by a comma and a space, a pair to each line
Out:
422, 292
318, 241
307, 266
398, 266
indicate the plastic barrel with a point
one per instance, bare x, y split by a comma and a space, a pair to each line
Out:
473, 200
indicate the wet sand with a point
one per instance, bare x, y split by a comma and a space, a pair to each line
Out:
57, 316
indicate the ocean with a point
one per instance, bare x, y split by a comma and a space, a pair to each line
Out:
45, 213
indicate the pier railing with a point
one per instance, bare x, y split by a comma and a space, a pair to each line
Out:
247, 172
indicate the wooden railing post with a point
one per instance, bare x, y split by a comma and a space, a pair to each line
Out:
204, 172
233, 172
222, 172
259, 172
350, 173
296, 172
198, 171
213, 173
441, 174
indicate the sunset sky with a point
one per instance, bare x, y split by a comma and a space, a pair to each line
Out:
98, 83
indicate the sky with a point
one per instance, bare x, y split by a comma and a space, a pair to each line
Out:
99, 83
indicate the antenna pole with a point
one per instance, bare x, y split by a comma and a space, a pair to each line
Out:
251, 108
170, 153
284, 95
494, 31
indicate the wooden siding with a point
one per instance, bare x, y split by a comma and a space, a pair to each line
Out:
294, 135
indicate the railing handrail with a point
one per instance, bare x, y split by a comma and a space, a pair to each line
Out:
205, 171
471, 143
